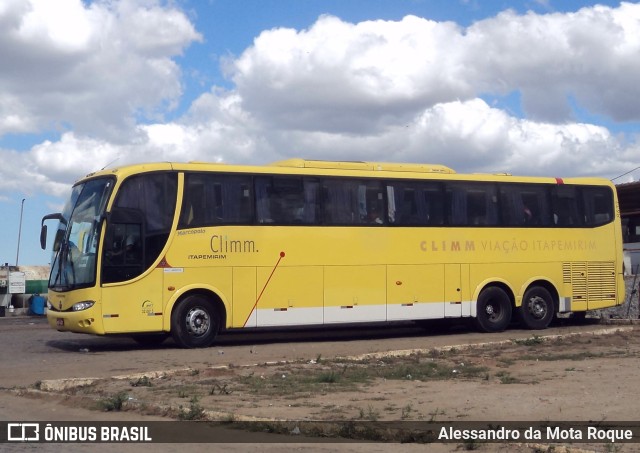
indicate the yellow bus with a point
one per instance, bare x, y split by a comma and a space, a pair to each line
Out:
188, 249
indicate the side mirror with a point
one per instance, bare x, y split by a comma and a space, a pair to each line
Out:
43, 229
43, 237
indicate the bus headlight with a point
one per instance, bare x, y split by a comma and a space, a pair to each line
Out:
82, 305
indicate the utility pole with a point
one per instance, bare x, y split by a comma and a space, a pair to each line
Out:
19, 231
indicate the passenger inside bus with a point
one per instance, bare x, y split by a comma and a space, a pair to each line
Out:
129, 248
374, 217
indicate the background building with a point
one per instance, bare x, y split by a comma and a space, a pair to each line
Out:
629, 199
19, 285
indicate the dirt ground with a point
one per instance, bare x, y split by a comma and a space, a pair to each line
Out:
586, 376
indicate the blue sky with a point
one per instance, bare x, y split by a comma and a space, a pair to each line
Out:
529, 87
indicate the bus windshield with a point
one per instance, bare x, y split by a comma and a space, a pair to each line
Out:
76, 242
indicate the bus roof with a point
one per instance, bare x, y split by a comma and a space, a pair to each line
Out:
358, 165
334, 168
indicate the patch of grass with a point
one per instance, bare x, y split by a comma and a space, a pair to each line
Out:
567, 356
370, 414
505, 362
328, 377
390, 407
430, 370
221, 389
336, 376
113, 402
229, 418
470, 445
194, 412
144, 381
406, 411
532, 341
434, 414
506, 378
293, 382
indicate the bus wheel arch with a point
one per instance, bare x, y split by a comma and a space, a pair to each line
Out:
494, 307
196, 318
539, 305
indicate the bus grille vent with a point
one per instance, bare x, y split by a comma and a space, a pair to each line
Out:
595, 282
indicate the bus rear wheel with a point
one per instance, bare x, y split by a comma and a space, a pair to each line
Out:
493, 313
194, 322
537, 309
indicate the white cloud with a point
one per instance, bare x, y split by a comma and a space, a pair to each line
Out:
406, 90
354, 77
351, 78
92, 68
590, 55
471, 136
63, 25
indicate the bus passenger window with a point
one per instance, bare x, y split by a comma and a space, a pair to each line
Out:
413, 203
286, 200
352, 202
472, 204
598, 205
566, 210
214, 199
524, 205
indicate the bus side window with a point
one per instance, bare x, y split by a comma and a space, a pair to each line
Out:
371, 203
566, 209
287, 200
352, 202
340, 202
311, 203
415, 203
193, 204
598, 205
214, 199
472, 204
524, 205
153, 197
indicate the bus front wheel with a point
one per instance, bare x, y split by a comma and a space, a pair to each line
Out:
194, 322
537, 308
493, 313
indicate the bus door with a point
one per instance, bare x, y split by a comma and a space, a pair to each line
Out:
456, 293
415, 292
452, 291
130, 302
133, 306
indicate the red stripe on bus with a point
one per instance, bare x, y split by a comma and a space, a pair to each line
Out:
265, 287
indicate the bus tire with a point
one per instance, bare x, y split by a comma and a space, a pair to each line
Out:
537, 309
194, 322
493, 312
